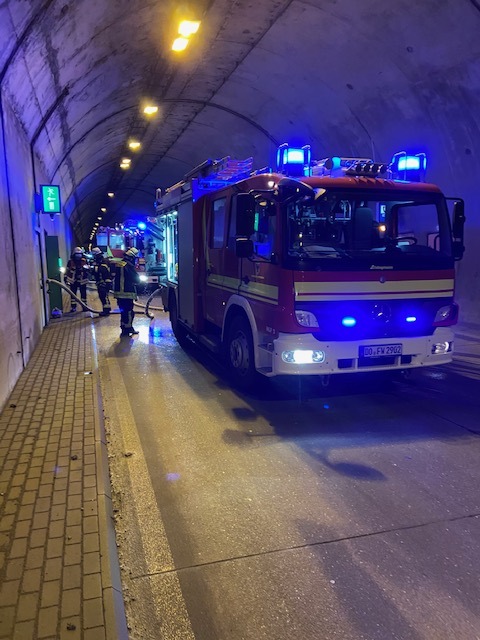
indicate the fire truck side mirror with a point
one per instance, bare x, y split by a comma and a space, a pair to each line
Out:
458, 224
245, 215
243, 247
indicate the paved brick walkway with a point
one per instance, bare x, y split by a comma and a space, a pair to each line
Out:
59, 574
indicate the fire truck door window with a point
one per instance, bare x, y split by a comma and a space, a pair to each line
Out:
233, 225
217, 237
264, 236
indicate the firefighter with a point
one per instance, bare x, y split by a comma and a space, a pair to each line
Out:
103, 277
125, 290
76, 276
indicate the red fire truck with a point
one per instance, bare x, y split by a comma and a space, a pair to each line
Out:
321, 267
144, 235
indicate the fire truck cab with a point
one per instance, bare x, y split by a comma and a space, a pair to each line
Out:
334, 266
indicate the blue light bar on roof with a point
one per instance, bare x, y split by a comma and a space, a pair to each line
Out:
295, 156
409, 167
294, 161
409, 162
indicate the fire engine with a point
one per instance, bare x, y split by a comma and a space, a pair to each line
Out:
144, 235
341, 265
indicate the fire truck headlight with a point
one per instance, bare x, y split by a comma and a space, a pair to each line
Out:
303, 356
143, 278
441, 347
306, 318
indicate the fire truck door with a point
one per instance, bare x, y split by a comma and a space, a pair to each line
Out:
214, 231
259, 275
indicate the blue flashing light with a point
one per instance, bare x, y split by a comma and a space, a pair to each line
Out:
410, 319
409, 166
348, 321
294, 161
295, 156
142, 226
337, 162
409, 163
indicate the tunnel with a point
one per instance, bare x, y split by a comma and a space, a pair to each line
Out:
348, 78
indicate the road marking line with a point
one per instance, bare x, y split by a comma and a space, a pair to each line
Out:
165, 589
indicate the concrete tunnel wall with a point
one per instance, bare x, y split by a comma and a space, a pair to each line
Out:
368, 79
24, 303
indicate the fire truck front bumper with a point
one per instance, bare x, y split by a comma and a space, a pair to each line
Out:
303, 354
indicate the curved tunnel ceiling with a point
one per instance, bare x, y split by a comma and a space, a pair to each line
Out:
349, 78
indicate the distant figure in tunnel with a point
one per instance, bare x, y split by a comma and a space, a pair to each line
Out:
125, 290
76, 276
103, 277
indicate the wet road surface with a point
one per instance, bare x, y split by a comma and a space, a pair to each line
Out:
297, 511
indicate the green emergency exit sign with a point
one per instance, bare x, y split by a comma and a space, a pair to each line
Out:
50, 198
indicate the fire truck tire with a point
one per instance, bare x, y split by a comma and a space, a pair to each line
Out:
240, 354
178, 329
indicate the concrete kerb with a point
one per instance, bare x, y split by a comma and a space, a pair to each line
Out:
114, 608
468, 330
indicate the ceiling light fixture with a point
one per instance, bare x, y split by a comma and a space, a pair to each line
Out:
110, 194
134, 145
187, 28
150, 109
179, 44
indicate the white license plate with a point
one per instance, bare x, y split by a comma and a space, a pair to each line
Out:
380, 350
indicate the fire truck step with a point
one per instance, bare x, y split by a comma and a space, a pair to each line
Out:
211, 342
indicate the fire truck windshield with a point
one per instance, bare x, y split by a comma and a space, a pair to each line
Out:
393, 227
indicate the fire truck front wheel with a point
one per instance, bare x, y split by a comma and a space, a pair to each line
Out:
239, 354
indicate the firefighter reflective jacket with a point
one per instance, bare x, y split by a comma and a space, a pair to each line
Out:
76, 271
103, 274
125, 280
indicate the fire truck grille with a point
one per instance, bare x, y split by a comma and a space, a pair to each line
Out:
359, 320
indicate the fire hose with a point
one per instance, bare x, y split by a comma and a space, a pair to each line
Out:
150, 298
85, 307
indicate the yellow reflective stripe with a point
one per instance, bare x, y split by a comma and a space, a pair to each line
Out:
122, 279
403, 288
255, 290
373, 296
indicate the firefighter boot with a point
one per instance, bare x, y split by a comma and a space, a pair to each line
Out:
129, 331
73, 307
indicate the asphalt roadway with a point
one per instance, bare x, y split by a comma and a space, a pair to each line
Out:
299, 511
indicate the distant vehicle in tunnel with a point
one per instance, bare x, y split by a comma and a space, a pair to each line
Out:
144, 235
325, 267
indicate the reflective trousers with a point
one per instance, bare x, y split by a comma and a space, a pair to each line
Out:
127, 313
74, 287
104, 299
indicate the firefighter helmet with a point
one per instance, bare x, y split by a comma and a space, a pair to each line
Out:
97, 255
131, 254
